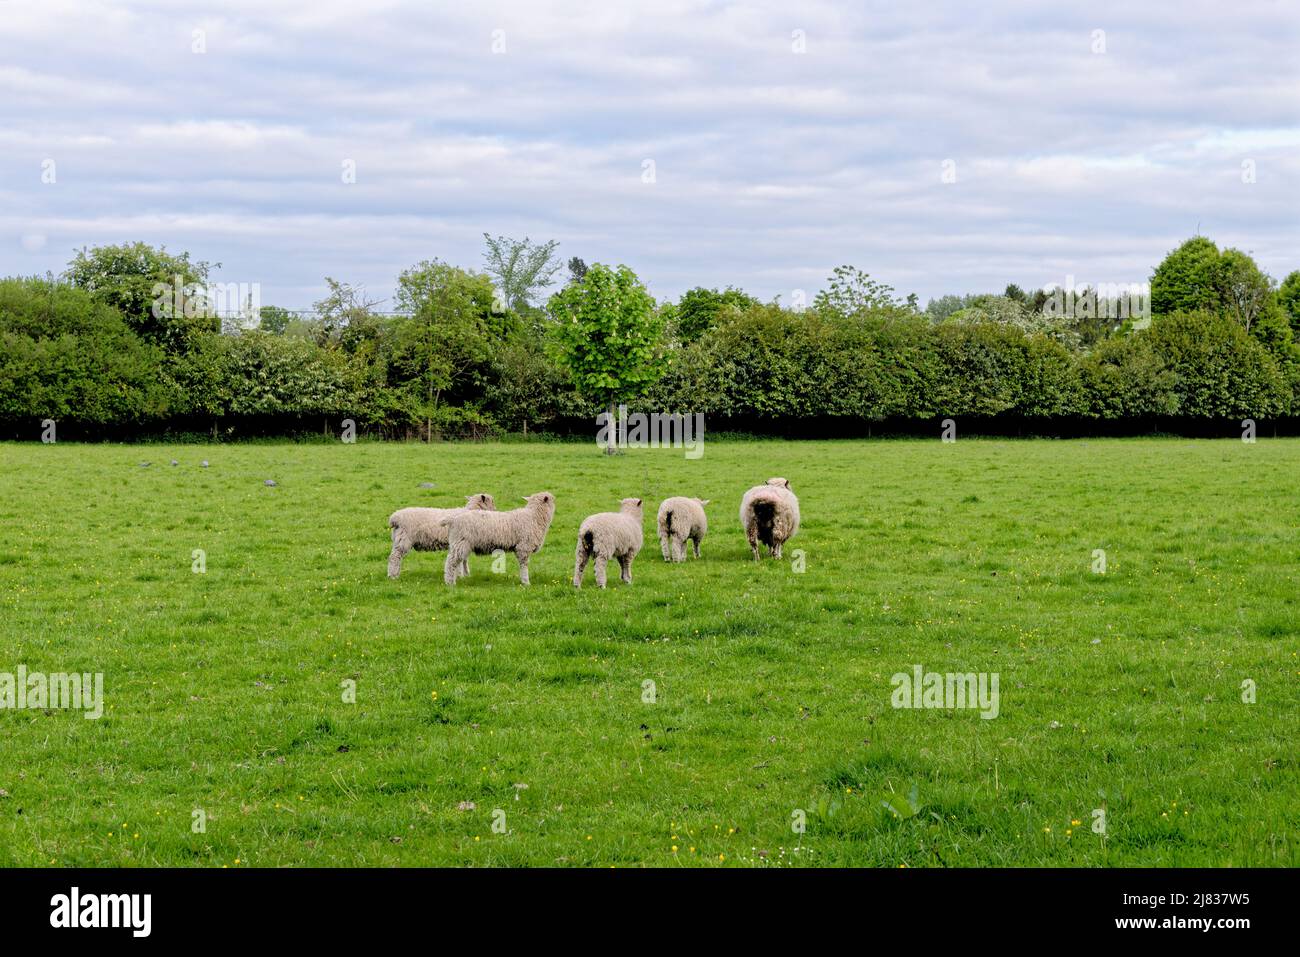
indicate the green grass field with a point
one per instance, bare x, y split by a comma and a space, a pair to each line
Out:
224, 690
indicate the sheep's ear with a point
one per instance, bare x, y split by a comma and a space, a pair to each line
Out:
638, 503
704, 501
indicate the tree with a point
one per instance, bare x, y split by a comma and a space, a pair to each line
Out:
528, 390
1188, 279
577, 269
521, 268
163, 297
274, 320
852, 291
345, 305
446, 341
1288, 297
1245, 290
607, 333
940, 309
1198, 277
698, 309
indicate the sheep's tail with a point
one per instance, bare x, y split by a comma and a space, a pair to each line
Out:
765, 518
668, 521
588, 541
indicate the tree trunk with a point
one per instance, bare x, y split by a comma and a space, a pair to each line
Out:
611, 442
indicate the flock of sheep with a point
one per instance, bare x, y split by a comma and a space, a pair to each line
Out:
769, 514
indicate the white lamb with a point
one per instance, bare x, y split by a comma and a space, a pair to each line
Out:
770, 515
522, 531
422, 529
609, 535
681, 519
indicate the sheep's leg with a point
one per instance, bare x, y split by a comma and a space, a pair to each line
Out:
579, 564
464, 568
679, 549
598, 567
696, 542
523, 557
665, 544
776, 550
625, 563
395, 557
753, 540
455, 558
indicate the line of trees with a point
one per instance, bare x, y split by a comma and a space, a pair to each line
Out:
126, 342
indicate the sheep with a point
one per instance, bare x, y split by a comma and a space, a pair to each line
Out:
770, 514
423, 529
522, 531
681, 519
607, 535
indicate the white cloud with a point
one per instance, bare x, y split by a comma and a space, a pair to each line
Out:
772, 166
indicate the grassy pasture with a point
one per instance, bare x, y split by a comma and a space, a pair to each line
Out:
1119, 691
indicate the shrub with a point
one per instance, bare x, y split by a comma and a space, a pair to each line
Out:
1219, 369
1127, 378
981, 368
266, 375
66, 356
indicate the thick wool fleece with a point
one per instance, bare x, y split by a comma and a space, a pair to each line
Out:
609, 535
681, 519
770, 516
522, 531
423, 529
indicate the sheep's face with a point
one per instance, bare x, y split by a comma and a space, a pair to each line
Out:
481, 502
779, 482
631, 506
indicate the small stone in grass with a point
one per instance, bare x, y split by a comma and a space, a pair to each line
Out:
144, 465
203, 464
426, 485
466, 806
174, 462
269, 483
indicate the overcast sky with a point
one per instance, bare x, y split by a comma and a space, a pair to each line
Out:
784, 138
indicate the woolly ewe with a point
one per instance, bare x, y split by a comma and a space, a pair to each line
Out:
770, 515
423, 529
681, 519
609, 535
522, 531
